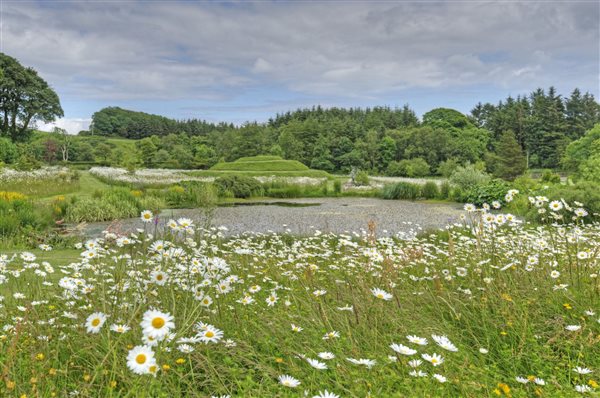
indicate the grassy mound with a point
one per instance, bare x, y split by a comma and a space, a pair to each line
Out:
261, 163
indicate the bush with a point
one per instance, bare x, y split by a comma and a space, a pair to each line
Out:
551, 177
487, 193
239, 186
191, 194
469, 177
17, 214
361, 178
416, 167
445, 190
337, 187
430, 190
401, 190
447, 167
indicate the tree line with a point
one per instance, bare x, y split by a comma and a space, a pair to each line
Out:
529, 131
532, 131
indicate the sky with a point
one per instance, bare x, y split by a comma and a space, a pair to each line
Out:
238, 61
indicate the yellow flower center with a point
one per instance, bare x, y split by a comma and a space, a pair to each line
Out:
158, 322
96, 322
209, 334
159, 277
141, 359
380, 296
434, 361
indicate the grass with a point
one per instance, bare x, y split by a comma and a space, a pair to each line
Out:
493, 292
261, 164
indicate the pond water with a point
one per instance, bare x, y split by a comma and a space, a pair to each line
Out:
305, 216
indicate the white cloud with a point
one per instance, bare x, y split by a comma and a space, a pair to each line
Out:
110, 51
73, 126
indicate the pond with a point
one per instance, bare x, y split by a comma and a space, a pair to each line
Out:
305, 216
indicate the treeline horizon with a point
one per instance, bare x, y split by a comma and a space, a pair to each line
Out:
542, 124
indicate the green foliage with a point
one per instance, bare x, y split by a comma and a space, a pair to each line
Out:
468, 177
508, 160
8, 151
543, 122
19, 215
337, 187
445, 190
401, 190
416, 167
24, 98
361, 178
447, 167
261, 163
430, 190
238, 186
110, 204
494, 190
191, 194
550, 176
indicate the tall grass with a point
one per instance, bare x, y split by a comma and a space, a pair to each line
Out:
489, 287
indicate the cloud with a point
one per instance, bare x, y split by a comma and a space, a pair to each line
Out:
73, 126
218, 52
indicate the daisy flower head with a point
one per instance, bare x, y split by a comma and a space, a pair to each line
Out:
381, 294
316, 364
402, 349
157, 324
210, 335
140, 359
288, 381
582, 388
331, 335
120, 328
582, 371
94, 322
417, 340
469, 207
146, 216
434, 359
556, 205
158, 277
326, 355
444, 342
439, 378
272, 299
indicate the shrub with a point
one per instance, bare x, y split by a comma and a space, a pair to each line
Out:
17, 214
337, 187
487, 193
447, 167
445, 190
468, 177
239, 186
361, 178
401, 190
416, 167
430, 190
549, 176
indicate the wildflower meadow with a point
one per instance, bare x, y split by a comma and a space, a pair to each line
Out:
490, 307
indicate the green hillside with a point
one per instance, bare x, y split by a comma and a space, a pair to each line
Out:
260, 163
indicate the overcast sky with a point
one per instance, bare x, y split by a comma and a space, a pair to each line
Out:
236, 61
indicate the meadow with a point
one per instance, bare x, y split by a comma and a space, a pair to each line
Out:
489, 307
